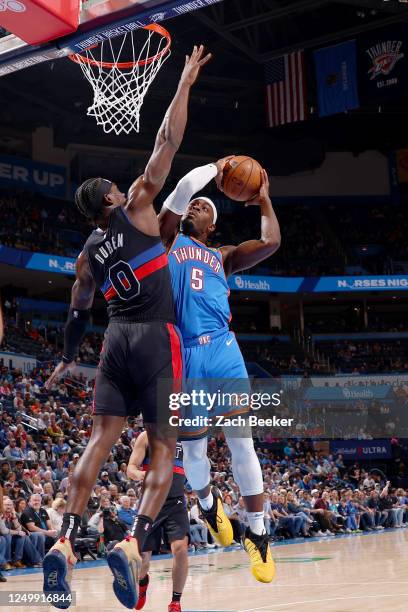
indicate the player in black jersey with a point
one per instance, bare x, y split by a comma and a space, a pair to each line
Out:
125, 258
172, 522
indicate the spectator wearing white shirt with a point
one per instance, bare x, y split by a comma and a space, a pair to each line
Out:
56, 513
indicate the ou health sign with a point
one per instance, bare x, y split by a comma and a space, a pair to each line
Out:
361, 449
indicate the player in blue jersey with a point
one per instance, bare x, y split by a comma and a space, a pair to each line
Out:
199, 279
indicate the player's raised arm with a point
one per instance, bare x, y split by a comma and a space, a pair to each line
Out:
82, 295
177, 202
169, 137
249, 253
136, 458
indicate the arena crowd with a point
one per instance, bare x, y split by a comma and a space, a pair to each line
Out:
42, 435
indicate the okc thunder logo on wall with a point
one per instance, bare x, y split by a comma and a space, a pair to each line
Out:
12, 5
384, 56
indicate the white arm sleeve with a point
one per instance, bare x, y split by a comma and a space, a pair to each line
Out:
195, 180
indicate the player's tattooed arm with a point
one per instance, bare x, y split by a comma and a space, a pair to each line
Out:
250, 253
169, 138
136, 458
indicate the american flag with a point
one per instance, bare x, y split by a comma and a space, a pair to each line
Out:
286, 89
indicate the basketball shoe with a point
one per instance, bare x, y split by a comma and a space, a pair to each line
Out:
124, 562
175, 606
217, 521
262, 564
141, 599
57, 568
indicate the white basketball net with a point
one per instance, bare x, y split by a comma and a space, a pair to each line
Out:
119, 92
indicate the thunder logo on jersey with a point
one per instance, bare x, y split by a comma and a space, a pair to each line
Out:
200, 289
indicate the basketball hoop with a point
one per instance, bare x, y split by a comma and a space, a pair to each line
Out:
120, 86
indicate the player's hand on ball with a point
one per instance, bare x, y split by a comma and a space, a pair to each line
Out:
263, 195
59, 371
221, 163
193, 65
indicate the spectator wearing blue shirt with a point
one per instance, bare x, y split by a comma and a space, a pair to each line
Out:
60, 447
125, 512
12, 451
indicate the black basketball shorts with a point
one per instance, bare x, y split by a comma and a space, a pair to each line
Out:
172, 524
135, 357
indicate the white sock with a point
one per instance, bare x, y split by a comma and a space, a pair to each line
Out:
207, 502
256, 522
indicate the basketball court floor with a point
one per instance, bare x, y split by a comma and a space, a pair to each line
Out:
342, 574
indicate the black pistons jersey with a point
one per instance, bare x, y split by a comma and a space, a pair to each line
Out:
131, 269
179, 478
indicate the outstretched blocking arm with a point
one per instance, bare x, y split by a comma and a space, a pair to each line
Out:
250, 253
169, 138
82, 296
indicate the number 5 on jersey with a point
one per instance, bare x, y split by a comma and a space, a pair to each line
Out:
197, 279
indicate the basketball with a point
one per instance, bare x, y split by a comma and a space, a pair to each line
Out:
242, 178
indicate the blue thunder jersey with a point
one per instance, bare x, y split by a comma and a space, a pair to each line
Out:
200, 288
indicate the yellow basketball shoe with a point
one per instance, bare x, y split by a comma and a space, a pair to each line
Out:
217, 521
124, 562
262, 564
57, 569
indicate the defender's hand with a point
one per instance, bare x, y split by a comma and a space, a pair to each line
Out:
193, 65
58, 372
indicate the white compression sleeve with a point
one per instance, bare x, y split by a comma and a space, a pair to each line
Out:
246, 468
190, 184
196, 463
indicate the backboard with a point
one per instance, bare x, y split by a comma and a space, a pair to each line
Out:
99, 20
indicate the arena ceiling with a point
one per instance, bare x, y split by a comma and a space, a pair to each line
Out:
228, 103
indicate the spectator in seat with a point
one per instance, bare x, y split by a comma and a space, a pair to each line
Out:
27, 484
367, 515
293, 508
59, 472
347, 512
233, 516
134, 501
292, 524
125, 513
55, 513
21, 545
388, 502
240, 511
114, 495
198, 529
12, 451
94, 521
60, 447
113, 529
36, 521
269, 521
104, 480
